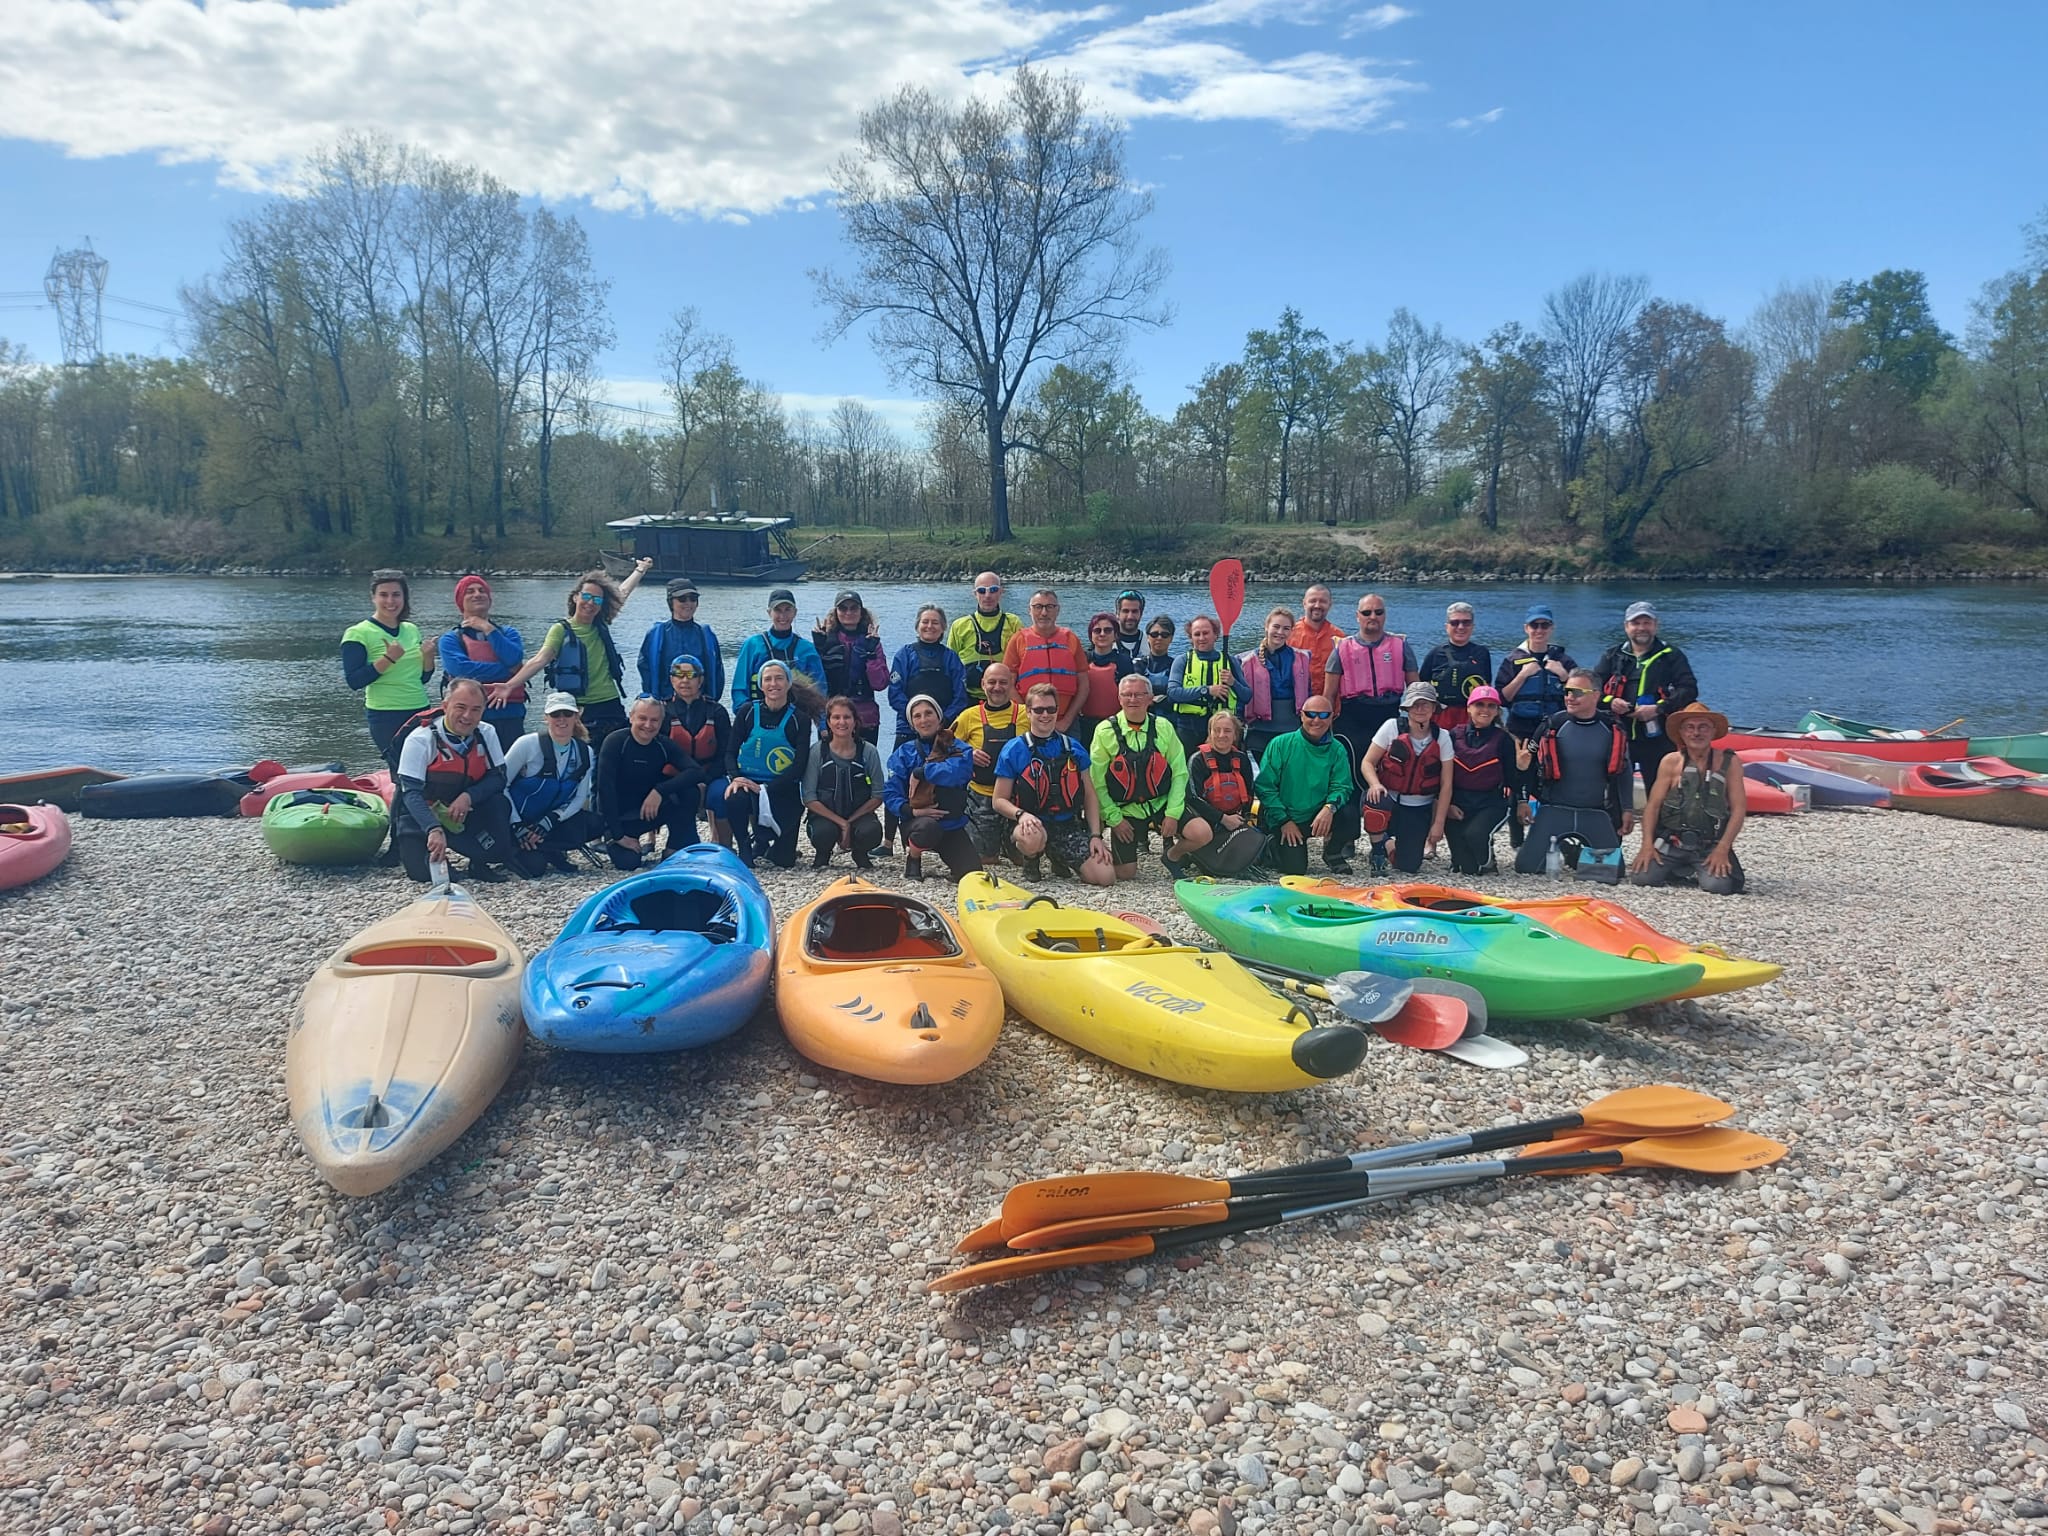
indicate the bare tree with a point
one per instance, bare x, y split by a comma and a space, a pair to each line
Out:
1586, 335
859, 438
1412, 376
993, 238
688, 353
570, 328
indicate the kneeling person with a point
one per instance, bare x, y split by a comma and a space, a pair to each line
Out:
1045, 794
927, 793
1220, 801
842, 789
1584, 779
1304, 781
642, 786
1695, 809
451, 792
548, 777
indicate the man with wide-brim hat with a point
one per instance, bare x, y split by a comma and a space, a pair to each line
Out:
1696, 808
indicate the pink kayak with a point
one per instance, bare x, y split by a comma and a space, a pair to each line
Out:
254, 803
33, 841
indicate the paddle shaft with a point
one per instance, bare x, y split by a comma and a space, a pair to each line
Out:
1489, 1140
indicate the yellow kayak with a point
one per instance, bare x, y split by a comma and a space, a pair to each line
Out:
1144, 1002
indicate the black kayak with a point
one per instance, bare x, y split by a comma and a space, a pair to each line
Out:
163, 794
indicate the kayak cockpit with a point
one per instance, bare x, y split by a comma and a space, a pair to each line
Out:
860, 929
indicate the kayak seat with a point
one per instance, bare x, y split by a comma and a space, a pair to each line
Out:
671, 911
872, 928
422, 955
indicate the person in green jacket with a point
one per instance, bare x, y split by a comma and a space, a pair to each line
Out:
581, 657
384, 656
1304, 778
1141, 779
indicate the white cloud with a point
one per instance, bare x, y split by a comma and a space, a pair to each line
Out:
1474, 124
1377, 19
680, 106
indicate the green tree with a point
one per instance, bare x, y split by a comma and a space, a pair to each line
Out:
1293, 371
1497, 412
1897, 339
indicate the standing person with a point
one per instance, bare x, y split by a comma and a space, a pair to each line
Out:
1304, 783
1141, 781
1157, 664
450, 793
778, 642
1366, 674
549, 777
1646, 683
579, 654
1205, 681
486, 652
1583, 777
1316, 634
696, 722
384, 658
1220, 778
1130, 622
1485, 793
1277, 681
930, 667
1046, 799
927, 789
986, 728
981, 636
849, 643
1458, 666
1048, 652
771, 747
1413, 768
1532, 675
641, 787
681, 634
842, 790
1696, 808
1108, 664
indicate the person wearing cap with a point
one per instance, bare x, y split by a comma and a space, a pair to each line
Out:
981, 636
1277, 682
695, 721
927, 792
640, 787
772, 743
682, 633
1696, 808
1646, 681
849, 642
1366, 674
1531, 676
1130, 622
580, 656
987, 727
1046, 651
1488, 784
489, 652
548, 776
1584, 781
778, 642
1316, 634
1457, 666
1304, 783
1409, 772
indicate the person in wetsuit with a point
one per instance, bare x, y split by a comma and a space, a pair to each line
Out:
1585, 783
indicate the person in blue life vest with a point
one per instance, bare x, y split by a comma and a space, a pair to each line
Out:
580, 656
549, 777
1409, 769
451, 793
1458, 666
778, 642
927, 790
682, 633
1644, 682
772, 741
480, 648
842, 790
1696, 808
1047, 800
1585, 783
849, 642
1532, 676
696, 722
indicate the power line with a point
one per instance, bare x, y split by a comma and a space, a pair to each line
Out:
175, 314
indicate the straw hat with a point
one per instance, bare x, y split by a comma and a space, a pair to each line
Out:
1697, 711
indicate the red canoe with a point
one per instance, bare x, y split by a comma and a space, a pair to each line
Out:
1929, 749
33, 841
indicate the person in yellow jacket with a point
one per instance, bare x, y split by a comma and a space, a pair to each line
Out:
986, 728
1141, 780
981, 635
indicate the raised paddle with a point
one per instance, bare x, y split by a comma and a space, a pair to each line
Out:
1226, 591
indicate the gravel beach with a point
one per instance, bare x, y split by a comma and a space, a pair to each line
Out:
684, 1293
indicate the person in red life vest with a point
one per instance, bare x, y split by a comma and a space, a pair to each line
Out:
1457, 667
1646, 682
550, 776
1316, 634
641, 789
1046, 651
986, 728
480, 648
1220, 776
1046, 797
1278, 679
451, 792
1408, 772
1366, 675
842, 790
927, 790
1488, 784
1141, 781
1108, 664
1695, 810
1584, 781
694, 720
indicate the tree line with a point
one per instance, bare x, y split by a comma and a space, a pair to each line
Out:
406, 350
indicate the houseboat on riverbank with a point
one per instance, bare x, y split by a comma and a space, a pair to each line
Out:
711, 546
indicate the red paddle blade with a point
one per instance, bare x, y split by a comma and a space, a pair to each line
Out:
264, 769
1226, 591
1017, 1265
1425, 1022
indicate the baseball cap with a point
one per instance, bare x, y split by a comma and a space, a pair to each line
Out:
558, 703
1539, 611
682, 586
846, 596
1639, 611
1485, 693
1418, 693
781, 595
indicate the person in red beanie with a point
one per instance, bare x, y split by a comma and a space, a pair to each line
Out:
480, 648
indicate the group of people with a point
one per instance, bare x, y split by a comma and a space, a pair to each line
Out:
1016, 738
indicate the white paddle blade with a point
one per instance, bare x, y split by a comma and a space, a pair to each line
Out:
1485, 1051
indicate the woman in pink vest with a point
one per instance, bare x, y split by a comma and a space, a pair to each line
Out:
1276, 674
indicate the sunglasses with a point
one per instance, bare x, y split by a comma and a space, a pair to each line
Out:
1539, 624
1460, 623
986, 591
1372, 613
588, 597
1315, 714
1578, 693
1104, 629
1042, 709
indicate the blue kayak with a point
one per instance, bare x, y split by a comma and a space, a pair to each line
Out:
1827, 788
676, 956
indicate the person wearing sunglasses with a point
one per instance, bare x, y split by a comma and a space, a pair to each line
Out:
778, 642
849, 642
580, 656
1046, 651
1108, 664
1458, 666
987, 727
1531, 676
1130, 622
1304, 783
1157, 664
981, 635
681, 634
1046, 798
1366, 675
1585, 783
694, 720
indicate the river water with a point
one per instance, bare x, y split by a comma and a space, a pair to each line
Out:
191, 672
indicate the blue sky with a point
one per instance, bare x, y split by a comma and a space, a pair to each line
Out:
1461, 160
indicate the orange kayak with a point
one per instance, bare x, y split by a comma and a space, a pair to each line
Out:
1590, 920
881, 985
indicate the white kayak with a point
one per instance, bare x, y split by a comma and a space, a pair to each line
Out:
402, 1040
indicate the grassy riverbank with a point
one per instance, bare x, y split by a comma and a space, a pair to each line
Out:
109, 537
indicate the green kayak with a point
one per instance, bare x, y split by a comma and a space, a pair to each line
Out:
326, 826
1821, 723
1523, 969
2029, 751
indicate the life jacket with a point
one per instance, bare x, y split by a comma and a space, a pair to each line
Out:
1318, 640
1479, 758
454, 767
844, 783
1157, 670
768, 750
780, 648
1409, 770
476, 648
994, 738
1372, 671
949, 800
1632, 682
1197, 673
926, 672
1543, 695
1137, 773
701, 743
1103, 676
1456, 678
989, 646
1227, 781
1047, 659
536, 794
1258, 678
570, 670
1552, 769
1050, 787
845, 657
1695, 813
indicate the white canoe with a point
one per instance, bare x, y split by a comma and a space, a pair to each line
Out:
402, 1040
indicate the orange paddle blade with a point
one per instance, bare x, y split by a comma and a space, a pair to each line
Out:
988, 1235
1043, 1202
1426, 1022
1656, 1106
1017, 1265
1091, 1229
1713, 1149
